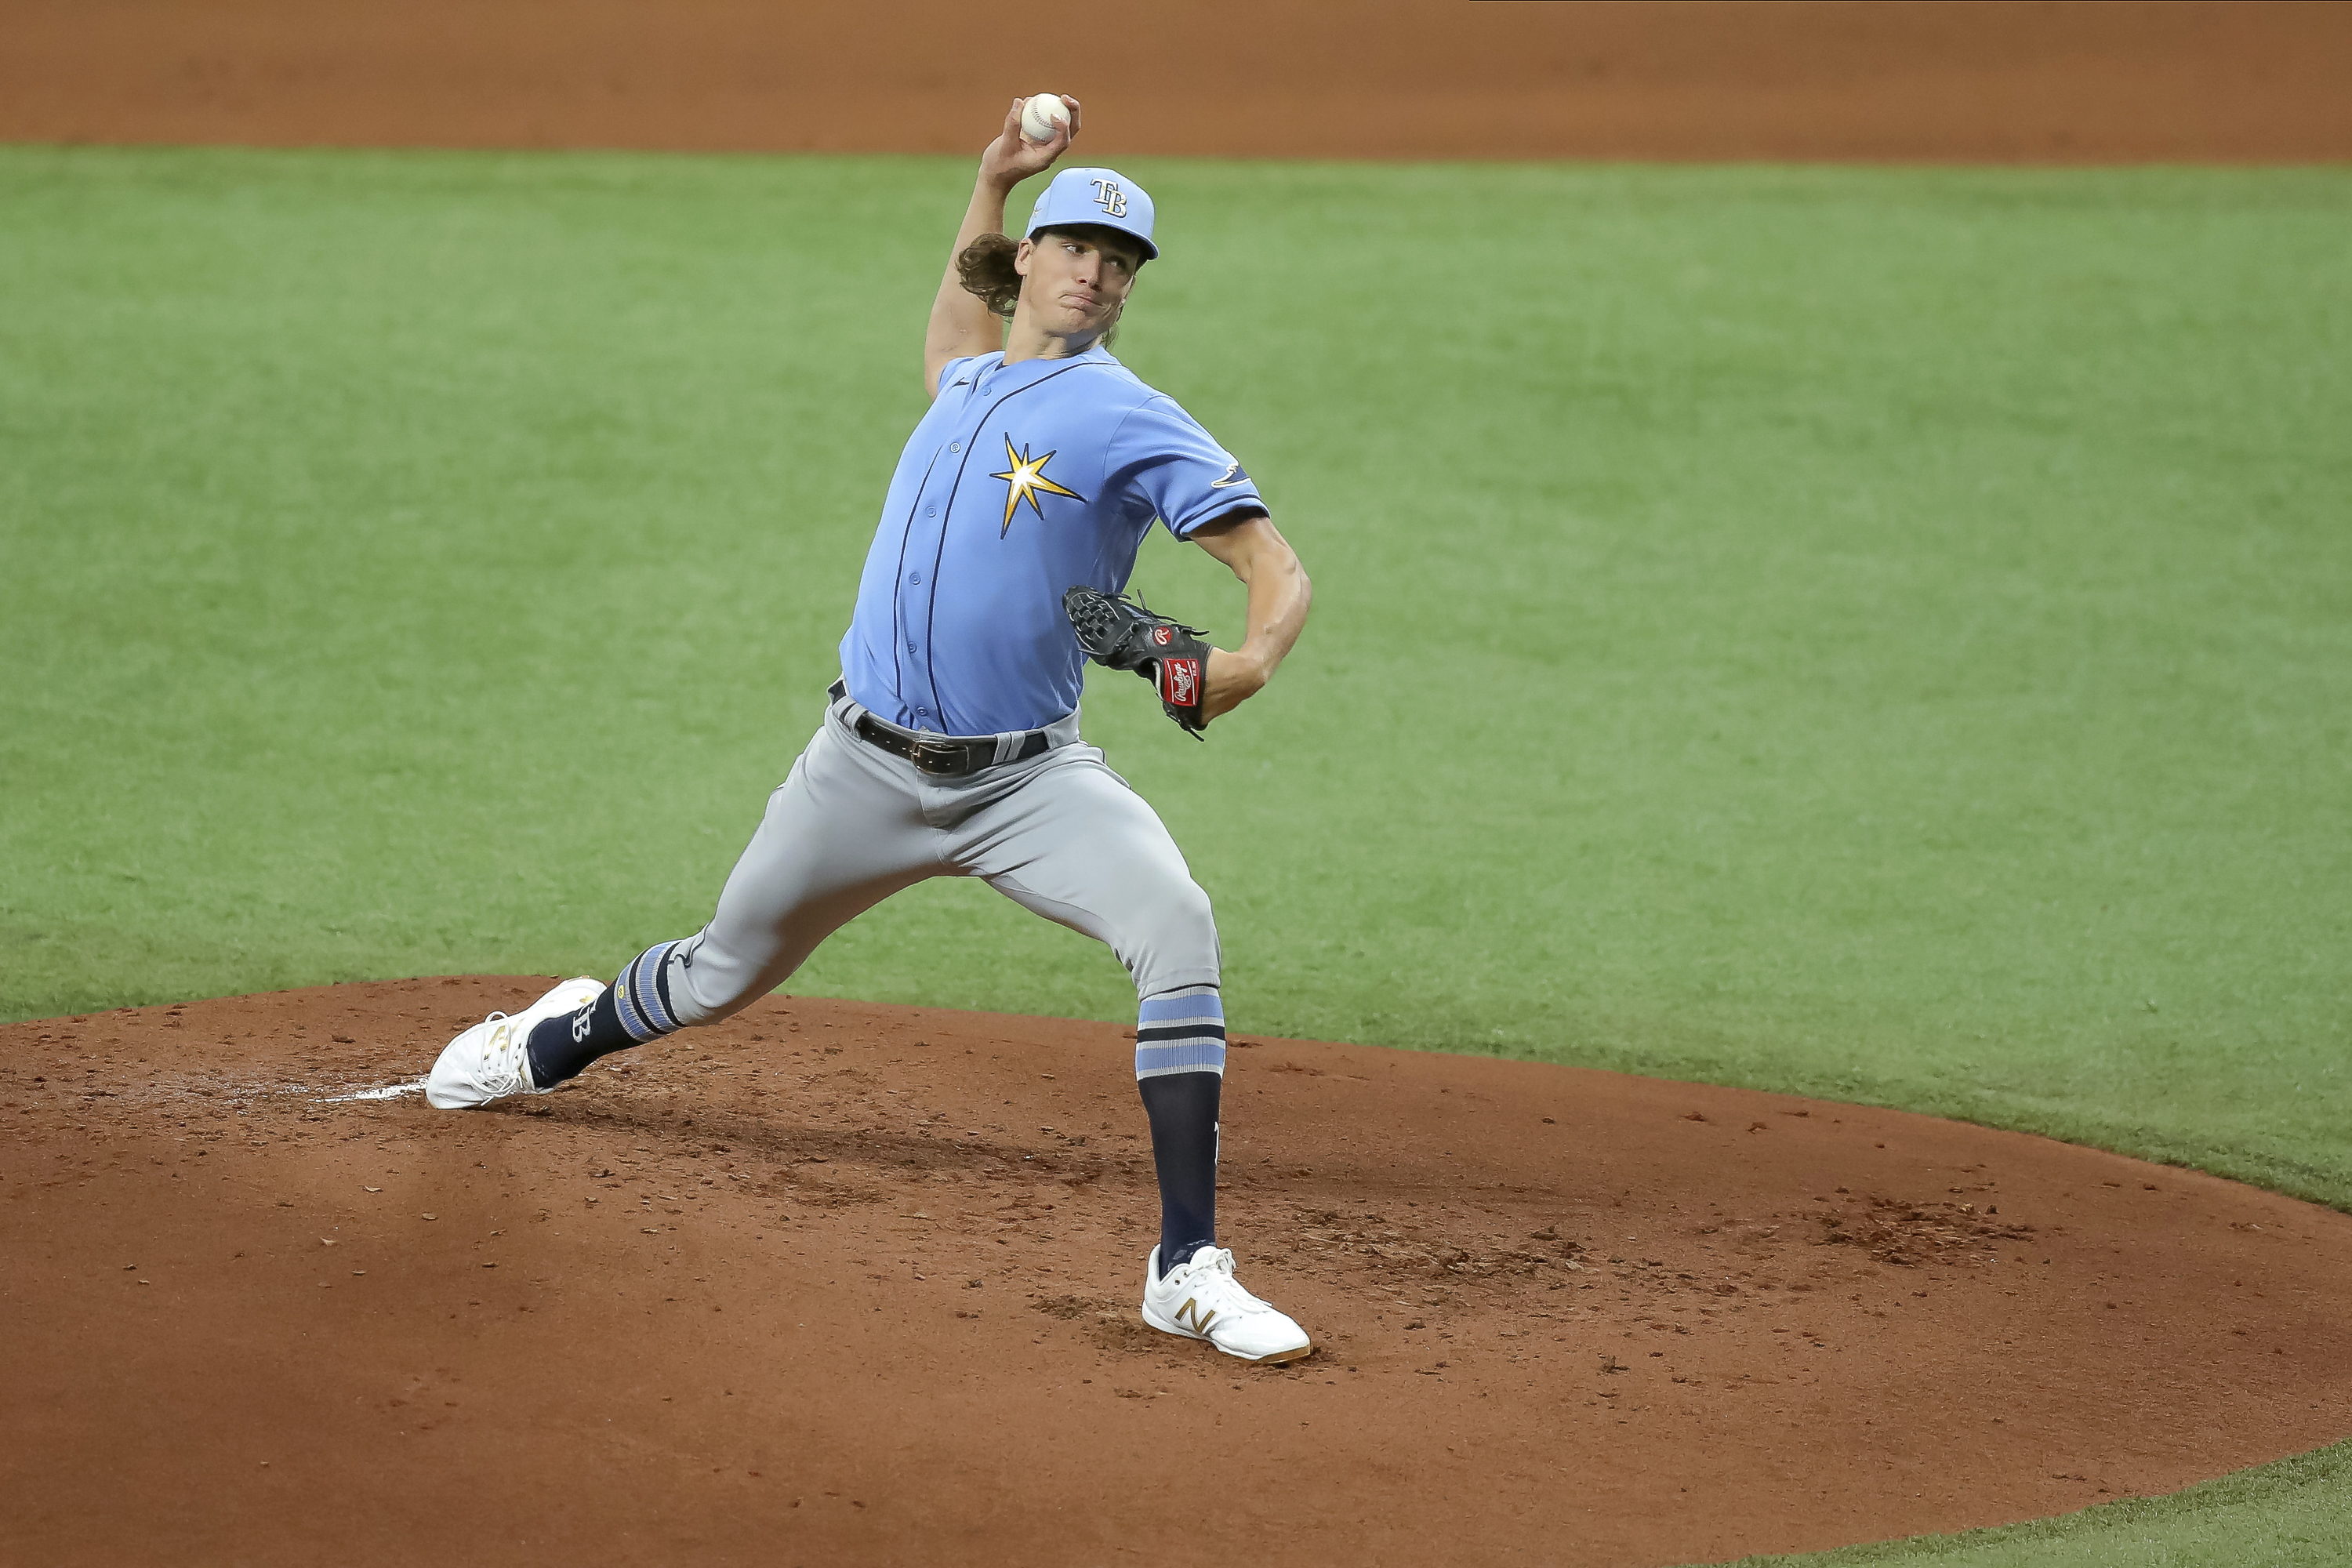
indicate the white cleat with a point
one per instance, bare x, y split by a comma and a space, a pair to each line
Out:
489, 1062
1201, 1300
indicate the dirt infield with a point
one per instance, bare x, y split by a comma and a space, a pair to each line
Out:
840, 1284
1985, 80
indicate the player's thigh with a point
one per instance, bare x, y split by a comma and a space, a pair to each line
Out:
839, 837
1075, 845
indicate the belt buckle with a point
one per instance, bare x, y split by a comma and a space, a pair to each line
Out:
938, 756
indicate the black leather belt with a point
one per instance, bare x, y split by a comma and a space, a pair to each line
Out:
944, 755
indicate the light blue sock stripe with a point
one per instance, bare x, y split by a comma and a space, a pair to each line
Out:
625, 1005
1184, 1055
638, 998
648, 987
1184, 1007
1180, 1012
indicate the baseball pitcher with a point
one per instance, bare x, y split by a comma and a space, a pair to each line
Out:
949, 746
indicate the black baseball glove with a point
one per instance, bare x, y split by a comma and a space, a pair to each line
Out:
1116, 631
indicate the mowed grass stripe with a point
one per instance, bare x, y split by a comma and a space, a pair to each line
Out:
1880, 634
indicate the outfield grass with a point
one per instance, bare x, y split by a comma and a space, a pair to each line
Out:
1884, 635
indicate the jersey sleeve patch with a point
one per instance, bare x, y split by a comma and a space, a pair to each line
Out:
1176, 470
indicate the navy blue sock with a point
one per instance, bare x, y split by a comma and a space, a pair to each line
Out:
630, 1011
1180, 1069
1183, 1111
561, 1047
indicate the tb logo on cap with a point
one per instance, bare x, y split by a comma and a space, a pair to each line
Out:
1109, 197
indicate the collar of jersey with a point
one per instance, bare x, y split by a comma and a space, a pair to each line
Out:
992, 373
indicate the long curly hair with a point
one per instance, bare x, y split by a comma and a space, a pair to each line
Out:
985, 268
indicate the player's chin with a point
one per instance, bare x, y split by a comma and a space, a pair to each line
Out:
1078, 322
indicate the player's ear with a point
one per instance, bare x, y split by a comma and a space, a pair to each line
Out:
1021, 255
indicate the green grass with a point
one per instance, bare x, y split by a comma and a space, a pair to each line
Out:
1879, 634
2293, 1514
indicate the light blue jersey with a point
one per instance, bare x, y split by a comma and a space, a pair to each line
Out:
1022, 481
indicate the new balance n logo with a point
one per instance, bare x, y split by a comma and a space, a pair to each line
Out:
1193, 1318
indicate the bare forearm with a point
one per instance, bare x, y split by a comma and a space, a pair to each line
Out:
961, 322
984, 216
1254, 551
1280, 592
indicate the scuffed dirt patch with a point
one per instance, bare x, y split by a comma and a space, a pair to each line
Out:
1954, 1235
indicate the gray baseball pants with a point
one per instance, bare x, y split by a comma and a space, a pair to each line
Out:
1059, 833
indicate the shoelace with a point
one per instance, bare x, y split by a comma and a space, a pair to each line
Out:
1212, 1284
504, 1044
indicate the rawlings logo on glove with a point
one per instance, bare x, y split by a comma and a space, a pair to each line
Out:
1179, 682
1115, 631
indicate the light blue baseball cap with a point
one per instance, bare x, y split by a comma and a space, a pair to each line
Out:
1103, 196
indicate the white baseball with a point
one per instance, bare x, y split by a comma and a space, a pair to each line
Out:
1042, 116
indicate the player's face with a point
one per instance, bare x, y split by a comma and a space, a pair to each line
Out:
1076, 280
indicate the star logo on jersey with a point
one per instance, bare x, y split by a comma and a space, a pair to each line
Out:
1023, 480
1233, 475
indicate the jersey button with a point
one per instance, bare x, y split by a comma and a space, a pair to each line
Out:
931, 511
911, 647
955, 446
913, 576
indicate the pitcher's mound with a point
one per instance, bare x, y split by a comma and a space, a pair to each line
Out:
838, 1284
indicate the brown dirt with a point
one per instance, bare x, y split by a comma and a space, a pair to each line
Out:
846, 1284
1986, 80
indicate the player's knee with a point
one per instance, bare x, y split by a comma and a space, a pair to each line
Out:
1191, 909
1178, 911
1176, 940
708, 984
